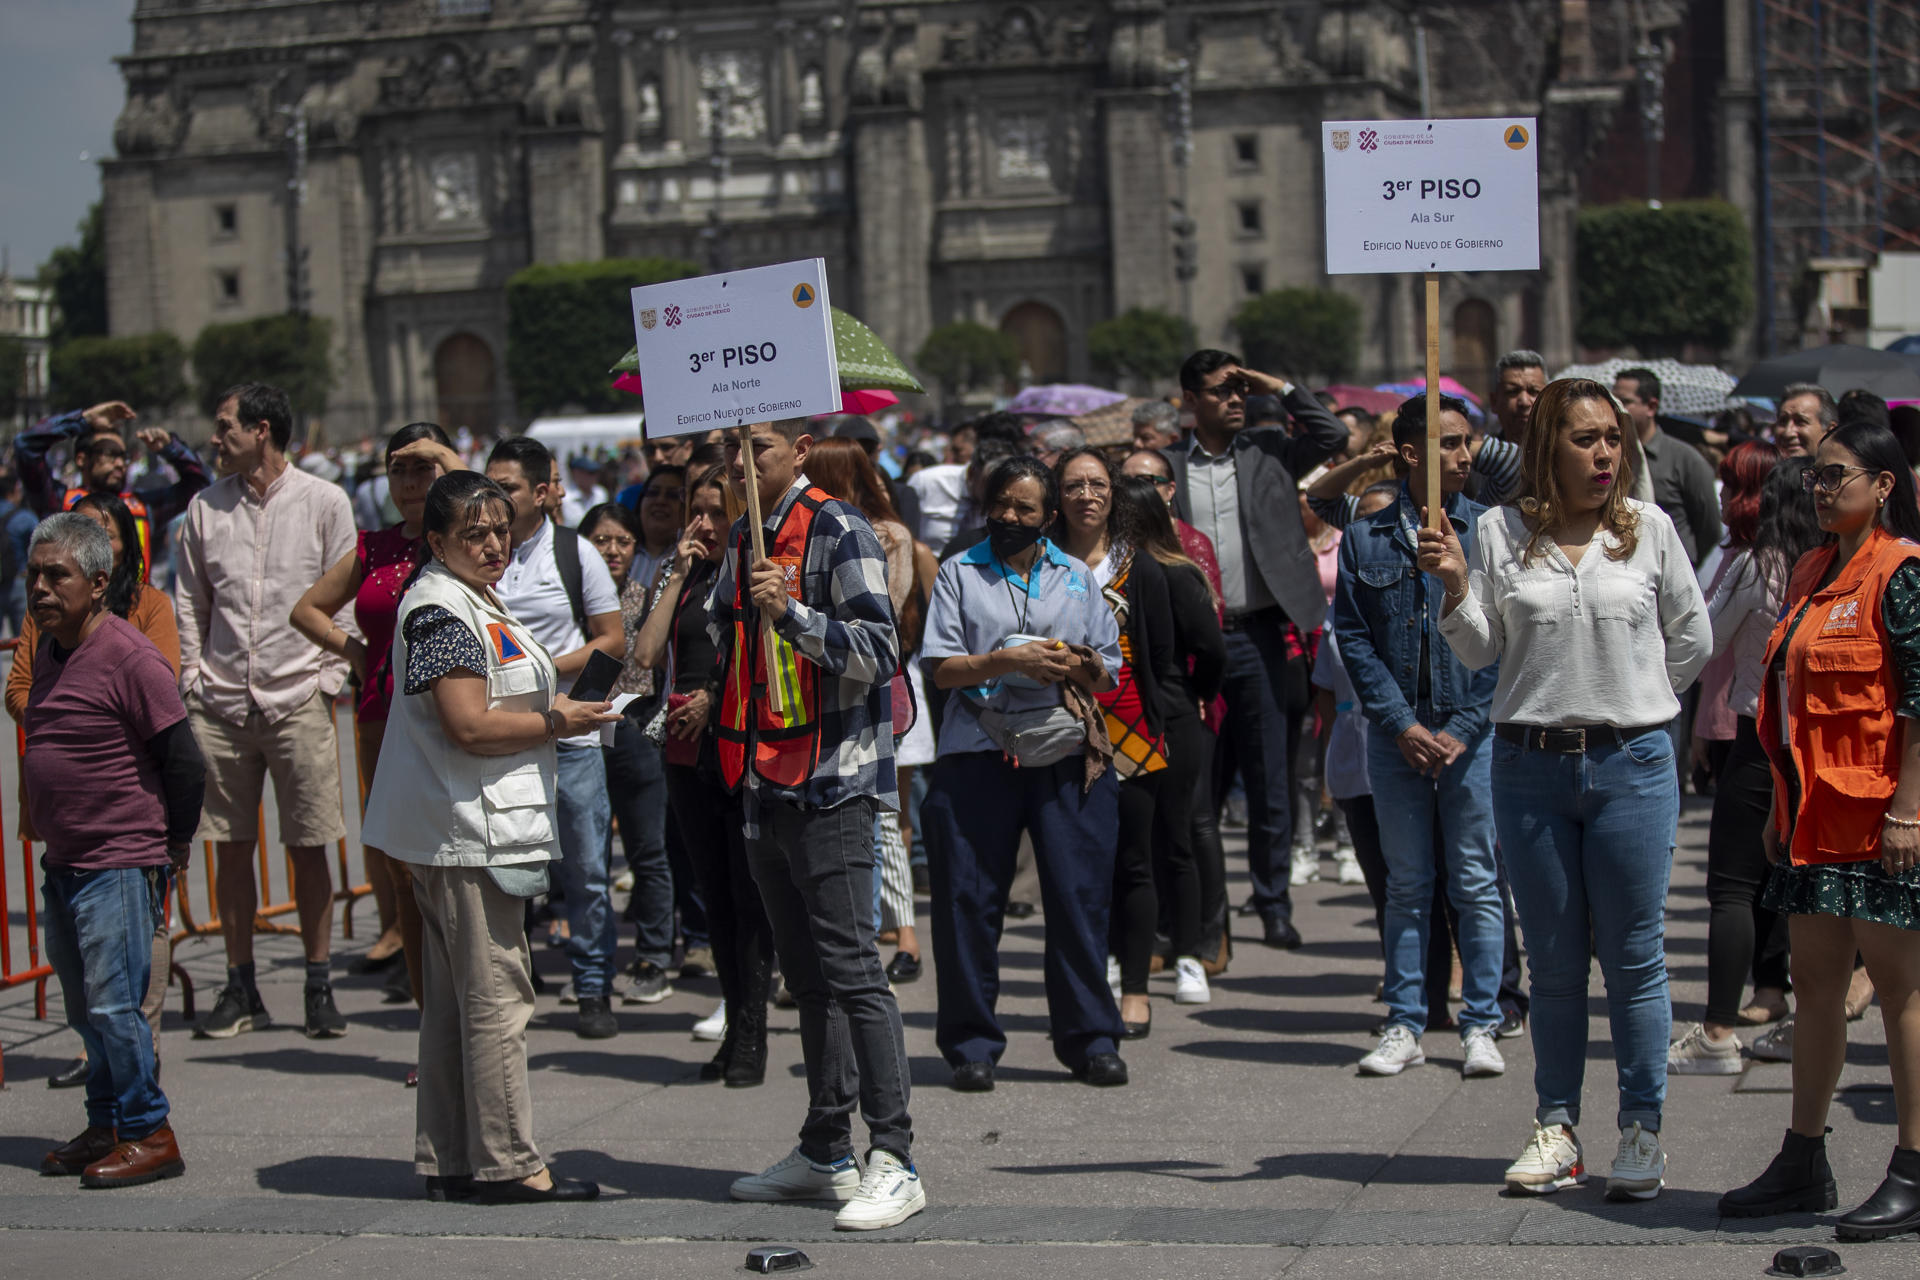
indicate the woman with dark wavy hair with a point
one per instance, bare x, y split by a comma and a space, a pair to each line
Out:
1587, 600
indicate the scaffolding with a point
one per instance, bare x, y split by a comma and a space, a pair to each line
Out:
1838, 83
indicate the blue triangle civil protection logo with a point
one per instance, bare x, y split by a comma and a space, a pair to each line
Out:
505, 647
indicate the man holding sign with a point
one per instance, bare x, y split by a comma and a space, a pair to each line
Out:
806, 636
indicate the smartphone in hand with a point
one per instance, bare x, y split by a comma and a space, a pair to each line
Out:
595, 681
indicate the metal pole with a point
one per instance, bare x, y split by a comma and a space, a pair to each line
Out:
1182, 164
1820, 127
1420, 62
1767, 346
296, 134
717, 99
1873, 123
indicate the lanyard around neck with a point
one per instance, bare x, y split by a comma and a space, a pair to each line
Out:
1006, 580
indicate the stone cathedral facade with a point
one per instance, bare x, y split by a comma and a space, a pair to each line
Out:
1016, 164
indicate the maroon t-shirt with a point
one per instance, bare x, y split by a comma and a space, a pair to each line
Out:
387, 558
92, 788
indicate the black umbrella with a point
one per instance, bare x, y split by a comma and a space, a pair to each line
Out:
1839, 368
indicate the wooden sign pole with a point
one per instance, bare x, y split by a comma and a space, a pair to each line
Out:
756, 532
1436, 514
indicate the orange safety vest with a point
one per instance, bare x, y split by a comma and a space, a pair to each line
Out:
1840, 699
785, 746
142, 522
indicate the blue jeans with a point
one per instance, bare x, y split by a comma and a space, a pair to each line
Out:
1589, 848
637, 787
99, 932
582, 869
1256, 735
1413, 811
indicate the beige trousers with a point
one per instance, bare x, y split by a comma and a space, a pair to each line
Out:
473, 1115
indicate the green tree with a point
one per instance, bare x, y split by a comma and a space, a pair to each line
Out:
288, 351
568, 321
147, 370
1660, 279
77, 275
13, 374
1300, 333
964, 356
1142, 343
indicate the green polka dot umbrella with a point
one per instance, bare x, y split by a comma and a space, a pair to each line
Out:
866, 363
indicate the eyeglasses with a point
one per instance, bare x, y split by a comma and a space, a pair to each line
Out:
1087, 489
1226, 390
1829, 479
613, 541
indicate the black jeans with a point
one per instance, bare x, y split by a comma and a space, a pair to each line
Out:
1742, 935
1260, 729
1176, 865
816, 871
710, 826
637, 790
1136, 904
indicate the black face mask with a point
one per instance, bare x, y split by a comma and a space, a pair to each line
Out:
1008, 538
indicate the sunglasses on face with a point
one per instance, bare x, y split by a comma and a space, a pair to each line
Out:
1829, 479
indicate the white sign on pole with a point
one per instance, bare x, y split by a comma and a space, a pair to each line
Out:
738, 347
1432, 195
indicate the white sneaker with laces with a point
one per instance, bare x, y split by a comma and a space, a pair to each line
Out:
1113, 977
1306, 866
1639, 1169
1348, 864
1190, 982
1775, 1044
888, 1195
1551, 1161
1483, 1055
1399, 1049
798, 1178
713, 1026
1698, 1054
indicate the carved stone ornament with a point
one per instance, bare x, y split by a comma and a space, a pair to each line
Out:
450, 75
740, 78
151, 123
1021, 143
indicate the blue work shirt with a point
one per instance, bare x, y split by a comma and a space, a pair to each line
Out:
977, 603
1384, 608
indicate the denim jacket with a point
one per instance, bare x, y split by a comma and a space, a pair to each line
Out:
1377, 619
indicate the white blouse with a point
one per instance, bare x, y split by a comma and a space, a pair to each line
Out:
1605, 642
1743, 610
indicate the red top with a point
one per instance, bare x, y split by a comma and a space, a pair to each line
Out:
386, 559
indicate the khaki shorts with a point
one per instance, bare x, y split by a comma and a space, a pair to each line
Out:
299, 751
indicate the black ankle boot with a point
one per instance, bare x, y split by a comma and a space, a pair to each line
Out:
717, 1068
1894, 1208
1798, 1181
748, 1026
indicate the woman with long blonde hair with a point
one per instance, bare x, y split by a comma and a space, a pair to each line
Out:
1587, 600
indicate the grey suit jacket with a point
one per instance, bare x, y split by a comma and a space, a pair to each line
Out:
1268, 463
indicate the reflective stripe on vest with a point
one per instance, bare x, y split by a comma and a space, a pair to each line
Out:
142, 523
785, 746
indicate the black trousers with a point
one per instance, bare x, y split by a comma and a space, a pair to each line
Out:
1136, 903
712, 830
1742, 936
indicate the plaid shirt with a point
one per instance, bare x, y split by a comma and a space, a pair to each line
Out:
844, 625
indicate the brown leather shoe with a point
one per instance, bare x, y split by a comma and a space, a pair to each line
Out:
131, 1163
72, 1160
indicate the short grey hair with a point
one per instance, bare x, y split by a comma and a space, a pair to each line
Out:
1522, 358
81, 537
1829, 407
1059, 437
1157, 414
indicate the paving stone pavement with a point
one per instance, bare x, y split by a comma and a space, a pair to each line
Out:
1246, 1144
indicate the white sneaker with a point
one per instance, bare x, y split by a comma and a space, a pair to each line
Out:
1640, 1167
1113, 977
713, 1026
1698, 1054
623, 883
798, 1178
1306, 866
1775, 1044
1399, 1049
1348, 863
1483, 1055
1549, 1162
888, 1195
1190, 982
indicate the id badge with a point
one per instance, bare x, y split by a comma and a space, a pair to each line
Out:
790, 572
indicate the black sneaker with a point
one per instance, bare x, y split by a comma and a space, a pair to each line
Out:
237, 1010
650, 985
1513, 1023
323, 1020
596, 1019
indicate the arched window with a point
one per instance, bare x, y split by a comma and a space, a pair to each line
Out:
1042, 338
463, 382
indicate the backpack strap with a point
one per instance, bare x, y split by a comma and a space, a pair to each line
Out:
566, 556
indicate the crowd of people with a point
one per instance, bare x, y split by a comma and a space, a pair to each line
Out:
785, 688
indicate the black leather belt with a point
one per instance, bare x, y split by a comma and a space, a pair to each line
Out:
1571, 742
1241, 621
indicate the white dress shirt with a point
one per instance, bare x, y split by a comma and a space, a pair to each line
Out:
1605, 642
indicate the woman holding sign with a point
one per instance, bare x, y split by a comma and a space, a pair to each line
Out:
1020, 629
1587, 600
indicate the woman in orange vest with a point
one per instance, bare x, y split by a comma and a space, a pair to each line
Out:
1841, 693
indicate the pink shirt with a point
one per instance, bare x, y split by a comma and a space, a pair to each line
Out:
243, 561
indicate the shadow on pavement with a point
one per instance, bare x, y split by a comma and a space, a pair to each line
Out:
643, 1180
359, 1177
1291, 1021
1308, 1053
301, 1061
614, 1064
